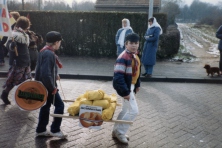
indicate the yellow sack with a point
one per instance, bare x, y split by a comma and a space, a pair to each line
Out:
80, 97
103, 103
73, 109
94, 94
85, 101
107, 97
113, 98
107, 114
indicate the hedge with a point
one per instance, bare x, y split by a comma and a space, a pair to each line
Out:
169, 43
89, 33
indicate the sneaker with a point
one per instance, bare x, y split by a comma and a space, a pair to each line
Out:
120, 137
59, 135
114, 136
144, 74
46, 133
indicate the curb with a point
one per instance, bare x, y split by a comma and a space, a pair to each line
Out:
153, 79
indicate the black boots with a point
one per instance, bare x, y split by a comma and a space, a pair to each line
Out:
144, 74
4, 98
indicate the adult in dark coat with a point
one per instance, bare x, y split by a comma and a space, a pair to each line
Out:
219, 36
150, 46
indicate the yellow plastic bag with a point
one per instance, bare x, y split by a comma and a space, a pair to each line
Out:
80, 97
107, 114
103, 103
113, 98
107, 97
73, 109
85, 101
94, 94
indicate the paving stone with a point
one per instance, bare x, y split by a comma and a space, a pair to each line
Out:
171, 115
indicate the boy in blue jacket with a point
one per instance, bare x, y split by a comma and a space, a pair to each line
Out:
46, 72
126, 81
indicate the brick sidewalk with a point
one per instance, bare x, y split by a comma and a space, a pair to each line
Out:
171, 115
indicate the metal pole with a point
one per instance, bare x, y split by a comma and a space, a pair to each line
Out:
150, 9
23, 5
39, 4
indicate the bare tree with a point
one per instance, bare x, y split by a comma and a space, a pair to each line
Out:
83, 5
172, 9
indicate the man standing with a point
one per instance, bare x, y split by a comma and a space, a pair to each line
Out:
219, 36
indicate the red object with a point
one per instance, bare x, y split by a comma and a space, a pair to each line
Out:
58, 62
5, 27
3, 13
54, 91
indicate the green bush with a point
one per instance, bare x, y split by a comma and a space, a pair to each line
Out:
169, 43
89, 33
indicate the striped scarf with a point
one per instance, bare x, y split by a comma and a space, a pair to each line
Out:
136, 63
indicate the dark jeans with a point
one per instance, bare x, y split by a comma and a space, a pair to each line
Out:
220, 63
2, 55
44, 114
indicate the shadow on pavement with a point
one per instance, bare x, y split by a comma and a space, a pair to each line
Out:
119, 144
14, 128
57, 142
49, 142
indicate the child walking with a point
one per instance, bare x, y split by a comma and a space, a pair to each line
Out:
126, 81
19, 64
46, 72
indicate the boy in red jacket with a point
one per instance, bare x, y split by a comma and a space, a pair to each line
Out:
126, 81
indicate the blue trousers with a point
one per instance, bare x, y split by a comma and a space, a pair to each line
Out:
44, 114
220, 62
149, 69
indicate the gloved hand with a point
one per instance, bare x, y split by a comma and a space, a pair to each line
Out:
54, 91
12, 45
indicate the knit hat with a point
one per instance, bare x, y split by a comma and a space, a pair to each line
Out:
53, 36
132, 37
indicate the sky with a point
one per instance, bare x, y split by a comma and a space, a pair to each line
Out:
208, 1
70, 1
186, 1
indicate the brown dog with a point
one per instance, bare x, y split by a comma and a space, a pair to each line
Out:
212, 70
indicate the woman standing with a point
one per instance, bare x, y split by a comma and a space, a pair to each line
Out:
150, 46
19, 70
121, 34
